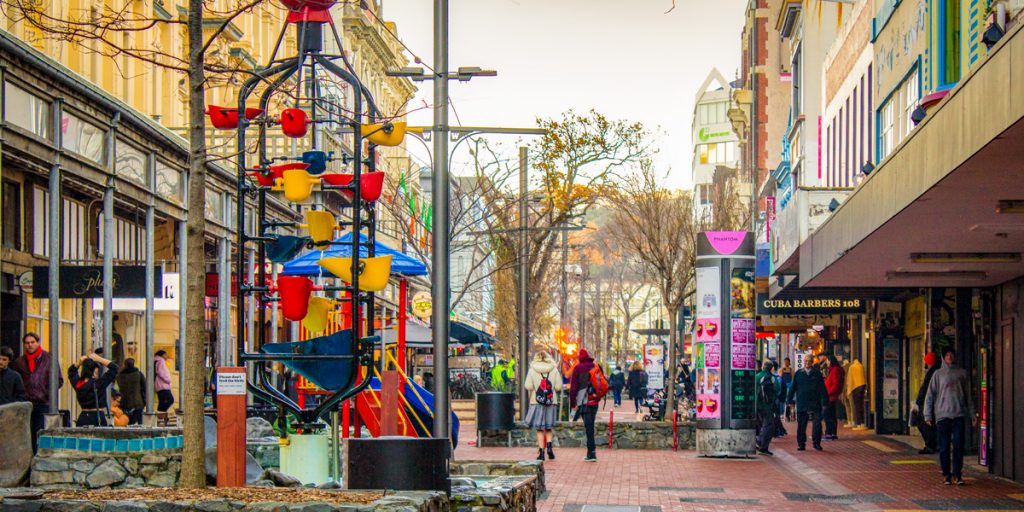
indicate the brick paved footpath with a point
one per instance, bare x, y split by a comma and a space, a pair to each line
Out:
860, 471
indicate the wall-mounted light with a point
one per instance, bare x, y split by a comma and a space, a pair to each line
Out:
1010, 206
867, 168
965, 257
918, 115
992, 35
965, 275
833, 205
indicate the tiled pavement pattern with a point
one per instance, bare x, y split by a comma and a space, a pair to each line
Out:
882, 474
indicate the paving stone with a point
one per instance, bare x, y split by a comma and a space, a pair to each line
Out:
969, 504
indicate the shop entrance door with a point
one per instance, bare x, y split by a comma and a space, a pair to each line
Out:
10, 321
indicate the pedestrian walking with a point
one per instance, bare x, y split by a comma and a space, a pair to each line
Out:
931, 363
12, 389
808, 393
162, 384
34, 368
584, 397
544, 383
636, 382
616, 382
500, 376
834, 388
132, 384
765, 400
786, 374
91, 385
947, 406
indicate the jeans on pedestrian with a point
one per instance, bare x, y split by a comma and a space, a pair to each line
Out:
638, 401
617, 397
91, 419
951, 431
831, 423
589, 413
928, 434
802, 417
766, 431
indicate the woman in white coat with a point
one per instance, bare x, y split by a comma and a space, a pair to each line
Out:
543, 383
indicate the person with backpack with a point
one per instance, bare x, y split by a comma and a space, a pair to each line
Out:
765, 400
587, 386
543, 383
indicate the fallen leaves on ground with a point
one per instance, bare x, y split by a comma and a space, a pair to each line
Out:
242, 494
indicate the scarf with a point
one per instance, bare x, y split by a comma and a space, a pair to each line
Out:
31, 358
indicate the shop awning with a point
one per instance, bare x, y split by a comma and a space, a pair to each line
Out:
418, 335
931, 213
306, 265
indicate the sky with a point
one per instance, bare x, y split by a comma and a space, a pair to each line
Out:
626, 58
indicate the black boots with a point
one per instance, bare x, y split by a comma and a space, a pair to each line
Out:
551, 451
540, 455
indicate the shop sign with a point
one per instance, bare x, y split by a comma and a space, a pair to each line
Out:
86, 282
25, 281
422, 305
809, 306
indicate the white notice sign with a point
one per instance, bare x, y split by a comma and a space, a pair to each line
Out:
230, 383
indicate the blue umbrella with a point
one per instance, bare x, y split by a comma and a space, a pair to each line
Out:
306, 265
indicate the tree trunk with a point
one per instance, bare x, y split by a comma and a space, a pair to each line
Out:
673, 367
193, 474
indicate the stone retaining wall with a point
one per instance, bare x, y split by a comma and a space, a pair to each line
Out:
651, 435
534, 468
94, 458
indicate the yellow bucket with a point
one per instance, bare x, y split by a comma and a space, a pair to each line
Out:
376, 134
316, 318
297, 185
373, 276
321, 226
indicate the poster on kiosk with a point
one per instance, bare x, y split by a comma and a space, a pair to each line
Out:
725, 345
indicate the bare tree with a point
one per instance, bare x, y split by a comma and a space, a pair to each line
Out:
657, 226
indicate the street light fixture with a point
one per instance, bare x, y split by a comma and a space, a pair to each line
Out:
462, 74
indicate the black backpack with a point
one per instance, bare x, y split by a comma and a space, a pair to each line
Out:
545, 394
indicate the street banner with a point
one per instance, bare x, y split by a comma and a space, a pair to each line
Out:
654, 365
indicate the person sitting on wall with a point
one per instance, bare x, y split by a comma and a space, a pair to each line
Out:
91, 388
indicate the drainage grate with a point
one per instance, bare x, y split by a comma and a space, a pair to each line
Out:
969, 504
838, 499
722, 501
687, 489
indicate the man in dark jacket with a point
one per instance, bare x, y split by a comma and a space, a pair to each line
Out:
132, 384
11, 388
808, 392
931, 362
765, 400
616, 382
579, 382
636, 382
34, 367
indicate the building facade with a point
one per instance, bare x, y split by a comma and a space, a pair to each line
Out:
715, 148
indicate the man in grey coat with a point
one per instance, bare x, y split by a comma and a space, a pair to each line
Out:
947, 406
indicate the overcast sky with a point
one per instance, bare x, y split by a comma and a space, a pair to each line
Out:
626, 58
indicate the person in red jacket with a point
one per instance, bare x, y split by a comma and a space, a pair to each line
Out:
579, 399
834, 387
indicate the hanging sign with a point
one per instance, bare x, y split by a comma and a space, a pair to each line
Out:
86, 282
422, 305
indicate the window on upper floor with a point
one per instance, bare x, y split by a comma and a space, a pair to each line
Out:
82, 138
797, 105
12, 217
717, 153
950, 37
26, 110
131, 164
894, 123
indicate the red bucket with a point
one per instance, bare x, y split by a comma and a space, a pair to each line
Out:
371, 184
227, 118
294, 122
295, 292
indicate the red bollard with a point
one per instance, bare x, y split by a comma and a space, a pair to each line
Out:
611, 427
675, 432
346, 418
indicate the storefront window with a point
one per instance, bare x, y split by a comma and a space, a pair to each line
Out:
82, 138
131, 164
12, 216
27, 111
168, 182
214, 206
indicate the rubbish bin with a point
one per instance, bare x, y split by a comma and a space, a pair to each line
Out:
399, 463
495, 412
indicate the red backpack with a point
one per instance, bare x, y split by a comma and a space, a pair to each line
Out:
598, 386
